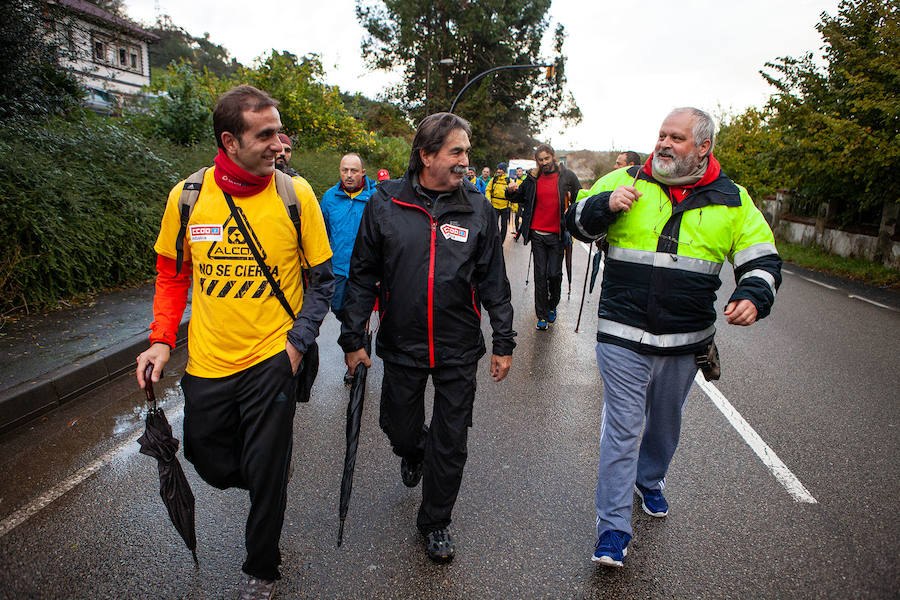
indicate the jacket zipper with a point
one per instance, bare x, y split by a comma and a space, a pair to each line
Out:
430, 279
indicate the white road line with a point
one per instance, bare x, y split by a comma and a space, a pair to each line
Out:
878, 304
787, 271
54, 493
824, 285
762, 450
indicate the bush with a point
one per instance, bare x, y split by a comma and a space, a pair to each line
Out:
391, 153
31, 79
81, 202
182, 113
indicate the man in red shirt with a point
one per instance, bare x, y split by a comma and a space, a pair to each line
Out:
544, 197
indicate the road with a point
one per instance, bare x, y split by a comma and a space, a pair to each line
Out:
817, 382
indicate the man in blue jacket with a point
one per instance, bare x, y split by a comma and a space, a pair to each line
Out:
342, 208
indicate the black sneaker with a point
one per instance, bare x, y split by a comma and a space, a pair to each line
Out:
439, 546
410, 474
252, 588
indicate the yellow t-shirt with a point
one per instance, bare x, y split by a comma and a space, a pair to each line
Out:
236, 320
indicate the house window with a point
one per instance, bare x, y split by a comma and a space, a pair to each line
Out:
134, 62
99, 51
123, 54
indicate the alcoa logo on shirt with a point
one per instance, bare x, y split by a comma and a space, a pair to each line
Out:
206, 233
455, 232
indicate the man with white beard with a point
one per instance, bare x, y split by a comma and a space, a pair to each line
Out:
670, 225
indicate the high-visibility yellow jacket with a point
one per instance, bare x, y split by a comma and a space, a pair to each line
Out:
496, 191
662, 269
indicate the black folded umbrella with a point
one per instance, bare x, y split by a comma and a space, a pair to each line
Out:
594, 270
306, 374
568, 256
354, 418
174, 489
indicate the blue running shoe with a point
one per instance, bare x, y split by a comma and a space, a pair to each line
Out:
652, 501
542, 325
611, 548
551, 315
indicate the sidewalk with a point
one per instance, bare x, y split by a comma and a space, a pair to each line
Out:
49, 359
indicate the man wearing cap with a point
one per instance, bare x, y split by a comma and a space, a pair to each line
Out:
496, 194
283, 160
342, 208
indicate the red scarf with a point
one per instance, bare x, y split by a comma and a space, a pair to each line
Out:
680, 193
236, 181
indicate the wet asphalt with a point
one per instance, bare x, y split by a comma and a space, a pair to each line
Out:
818, 381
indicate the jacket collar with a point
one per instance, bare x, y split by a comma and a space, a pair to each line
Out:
721, 191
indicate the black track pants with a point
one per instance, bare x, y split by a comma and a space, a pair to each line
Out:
444, 448
548, 258
502, 214
238, 432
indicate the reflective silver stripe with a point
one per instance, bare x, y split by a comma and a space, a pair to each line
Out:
578, 208
664, 260
764, 275
755, 251
665, 340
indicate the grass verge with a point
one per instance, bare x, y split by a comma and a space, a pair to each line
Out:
858, 269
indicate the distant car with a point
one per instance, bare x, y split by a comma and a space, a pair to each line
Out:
101, 101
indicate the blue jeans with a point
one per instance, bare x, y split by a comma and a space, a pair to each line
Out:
637, 388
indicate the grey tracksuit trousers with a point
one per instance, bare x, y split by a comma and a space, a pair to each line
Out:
638, 389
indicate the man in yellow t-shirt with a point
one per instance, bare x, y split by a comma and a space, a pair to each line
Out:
244, 349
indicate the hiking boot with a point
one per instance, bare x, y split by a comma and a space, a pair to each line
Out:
252, 588
348, 378
611, 548
541, 325
652, 501
439, 545
551, 315
411, 474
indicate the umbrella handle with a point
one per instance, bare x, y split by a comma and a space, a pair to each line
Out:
148, 385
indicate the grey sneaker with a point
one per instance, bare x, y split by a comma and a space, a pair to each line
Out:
439, 546
252, 588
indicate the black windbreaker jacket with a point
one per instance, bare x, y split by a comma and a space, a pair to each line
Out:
527, 193
437, 264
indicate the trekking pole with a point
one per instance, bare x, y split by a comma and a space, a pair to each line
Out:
584, 287
528, 270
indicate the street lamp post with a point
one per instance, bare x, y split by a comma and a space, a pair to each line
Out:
488, 72
444, 62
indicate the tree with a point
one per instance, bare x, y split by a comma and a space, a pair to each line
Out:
311, 111
748, 149
32, 82
839, 126
116, 7
506, 109
176, 44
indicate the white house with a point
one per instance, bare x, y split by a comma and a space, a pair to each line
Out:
106, 52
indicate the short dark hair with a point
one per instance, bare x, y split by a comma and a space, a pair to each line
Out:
632, 157
431, 134
229, 112
544, 148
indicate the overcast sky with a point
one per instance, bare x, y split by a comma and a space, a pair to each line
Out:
627, 65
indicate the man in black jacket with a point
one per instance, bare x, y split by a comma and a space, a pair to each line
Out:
431, 240
544, 197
